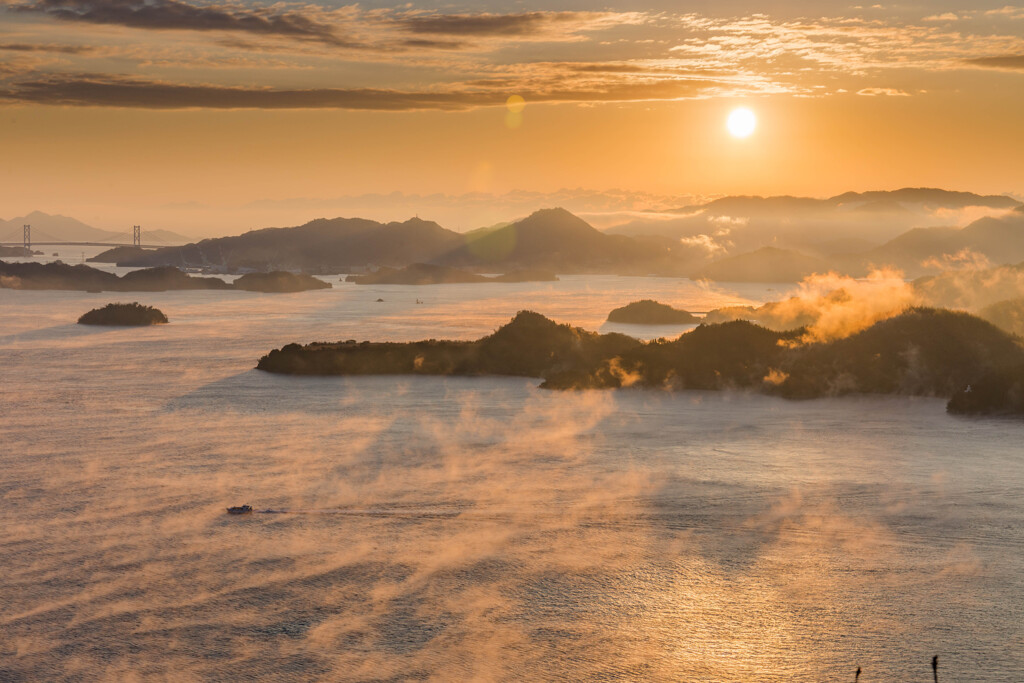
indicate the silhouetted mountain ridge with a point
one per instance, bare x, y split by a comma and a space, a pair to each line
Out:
549, 239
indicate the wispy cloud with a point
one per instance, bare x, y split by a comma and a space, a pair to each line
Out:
397, 59
522, 25
838, 45
174, 14
1015, 62
98, 90
882, 92
40, 47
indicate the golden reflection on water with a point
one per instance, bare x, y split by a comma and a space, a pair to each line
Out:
478, 529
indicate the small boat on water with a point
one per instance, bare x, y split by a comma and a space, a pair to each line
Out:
240, 510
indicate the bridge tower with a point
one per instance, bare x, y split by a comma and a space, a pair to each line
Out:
26, 231
137, 235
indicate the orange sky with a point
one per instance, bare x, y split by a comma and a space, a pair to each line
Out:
198, 117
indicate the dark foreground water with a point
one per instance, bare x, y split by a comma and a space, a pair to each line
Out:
476, 529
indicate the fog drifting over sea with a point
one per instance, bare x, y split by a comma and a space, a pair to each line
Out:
464, 528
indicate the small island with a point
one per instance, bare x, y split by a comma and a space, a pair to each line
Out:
124, 315
921, 352
279, 282
650, 312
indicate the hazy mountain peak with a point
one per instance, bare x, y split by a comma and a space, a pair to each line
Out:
555, 220
417, 222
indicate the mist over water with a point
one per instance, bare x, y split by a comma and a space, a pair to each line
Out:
477, 528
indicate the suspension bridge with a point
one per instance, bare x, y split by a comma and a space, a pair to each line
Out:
50, 241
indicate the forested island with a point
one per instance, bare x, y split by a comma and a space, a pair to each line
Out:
279, 282
133, 314
62, 276
650, 312
922, 352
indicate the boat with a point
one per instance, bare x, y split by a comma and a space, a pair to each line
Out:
240, 510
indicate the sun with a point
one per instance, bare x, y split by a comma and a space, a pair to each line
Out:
741, 122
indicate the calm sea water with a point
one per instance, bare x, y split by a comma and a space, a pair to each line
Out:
477, 529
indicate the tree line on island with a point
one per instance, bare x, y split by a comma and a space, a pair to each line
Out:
124, 315
921, 352
62, 276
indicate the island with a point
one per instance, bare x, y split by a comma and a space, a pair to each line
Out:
921, 352
6, 252
432, 274
119, 254
650, 312
62, 276
124, 315
279, 281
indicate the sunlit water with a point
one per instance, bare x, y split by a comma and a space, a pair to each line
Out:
477, 528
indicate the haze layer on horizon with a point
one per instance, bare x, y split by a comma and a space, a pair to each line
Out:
204, 116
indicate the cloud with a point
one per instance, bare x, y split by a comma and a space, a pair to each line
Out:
525, 24
110, 91
434, 44
882, 92
37, 47
793, 49
1015, 62
1008, 11
174, 14
831, 306
461, 60
709, 244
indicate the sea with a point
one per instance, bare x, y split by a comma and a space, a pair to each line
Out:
477, 529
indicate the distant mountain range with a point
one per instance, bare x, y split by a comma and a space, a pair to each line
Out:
551, 239
55, 228
919, 251
815, 226
778, 239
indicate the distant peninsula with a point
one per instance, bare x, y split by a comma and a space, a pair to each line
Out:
61, 276
133, 314
8, 252
118, 254
650, 312
430, 274
922, 352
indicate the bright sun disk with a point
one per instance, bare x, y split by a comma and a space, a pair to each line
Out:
741, 123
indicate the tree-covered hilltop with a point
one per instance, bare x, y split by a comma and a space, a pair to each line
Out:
133, 314
530, 346
119, 254
650, 312
922, 352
